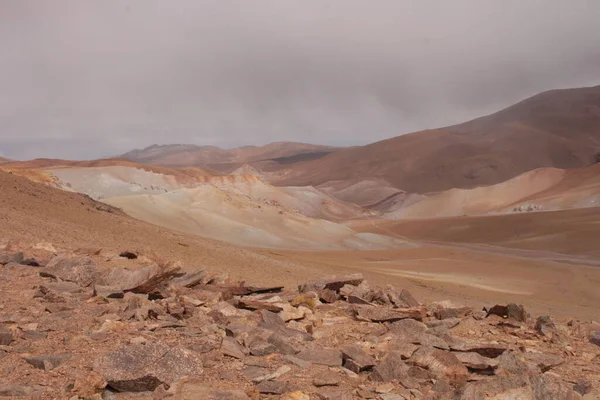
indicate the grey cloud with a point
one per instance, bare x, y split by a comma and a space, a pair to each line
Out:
86, 78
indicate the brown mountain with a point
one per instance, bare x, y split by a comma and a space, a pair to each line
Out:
4, 160
192, 155
558, 128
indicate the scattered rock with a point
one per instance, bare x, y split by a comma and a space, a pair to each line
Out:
544, 325
273, 387
392, 368
195, 390
332, 358
47, 362
476, 361
190, 279
230, 347
356, 359
583, 387
143, 368
6, 336
327, 379
511, 311
595, 338
408, 298
384, 314
80, 270
6, 257
259, 305
442, 364
334, 283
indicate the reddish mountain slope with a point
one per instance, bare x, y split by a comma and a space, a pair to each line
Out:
559, 128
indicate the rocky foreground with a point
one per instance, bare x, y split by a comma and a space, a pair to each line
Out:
91, 324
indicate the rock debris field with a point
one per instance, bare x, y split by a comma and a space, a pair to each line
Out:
71, 329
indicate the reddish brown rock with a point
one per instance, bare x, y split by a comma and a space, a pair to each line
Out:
258, 305
476, 361
385, 314
356, 359
329, 357
80, 270
139, 368
442, 364
334, 283
6, 336
544, 325
391, 368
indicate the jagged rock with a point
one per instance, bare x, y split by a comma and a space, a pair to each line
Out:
108, 291
511, 311
144, 280
138, 368
291, 313
80, 270
258, 374
408, 328
273, 387
446, 313
384, 314
190, 279
230, 347
595, 338
334, 283
392, 368
544, 325
47, 362
442, 364
513, 364
259, 305
476, 361
188, 389
504, 388
583, 387
402, 347
6, 257
356, 359
486, 349
329, 357
547, 387
408, 298
6, 336
543, 361
328, 296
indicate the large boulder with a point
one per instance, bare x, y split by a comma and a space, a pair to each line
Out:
140, 368
80, 270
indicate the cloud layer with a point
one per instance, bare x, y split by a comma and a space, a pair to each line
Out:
85, 78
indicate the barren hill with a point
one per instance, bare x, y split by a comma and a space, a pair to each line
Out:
193, 155
559, 128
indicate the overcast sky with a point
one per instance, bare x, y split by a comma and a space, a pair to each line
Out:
91, 78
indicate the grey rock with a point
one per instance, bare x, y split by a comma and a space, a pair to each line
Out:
583, 387
595, 338
47, 362
6, 336
544, 325
6, 257
138, 368
80, 270
230, 347
391, 368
